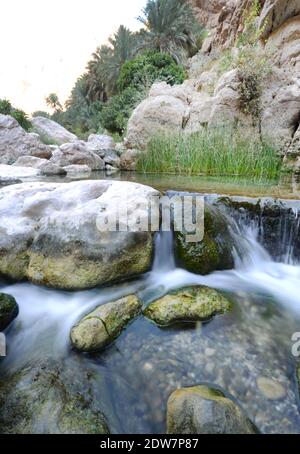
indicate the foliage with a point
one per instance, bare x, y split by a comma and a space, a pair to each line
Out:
148, 68
53, 102
115, 114
40, 113
211, 152
19, 115
171, 27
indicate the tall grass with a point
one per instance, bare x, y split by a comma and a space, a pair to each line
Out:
211, 152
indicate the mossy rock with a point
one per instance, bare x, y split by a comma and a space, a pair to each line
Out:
9, 310
50, 397
205, 410
190, 304
102, 326
214, 252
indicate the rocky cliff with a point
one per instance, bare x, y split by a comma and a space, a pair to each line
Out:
247, 74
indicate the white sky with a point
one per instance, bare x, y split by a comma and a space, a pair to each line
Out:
45, 44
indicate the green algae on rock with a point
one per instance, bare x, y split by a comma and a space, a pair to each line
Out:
8, 310
204, 410
189, 304
102, 326
214, 252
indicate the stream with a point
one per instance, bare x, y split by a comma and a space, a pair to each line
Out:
133, 378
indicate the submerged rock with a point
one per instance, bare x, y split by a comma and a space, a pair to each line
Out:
204, 410
190, 304
51, 131
214, 252
270, 389
50, 397
102, 326
8, 310
54, 234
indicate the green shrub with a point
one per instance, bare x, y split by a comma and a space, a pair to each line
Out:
19, 115
116, 112
211, 152
148, 68
41, 113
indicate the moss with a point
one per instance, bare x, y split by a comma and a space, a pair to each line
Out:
214, 252
190, 304
8, 310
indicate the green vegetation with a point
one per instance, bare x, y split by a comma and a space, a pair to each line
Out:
7, 109
211, 152
120, 73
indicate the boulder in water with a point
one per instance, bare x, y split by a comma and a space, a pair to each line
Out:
50, 397
190, 304
51, 233
8, 310
214, 252
102, 326
204, 410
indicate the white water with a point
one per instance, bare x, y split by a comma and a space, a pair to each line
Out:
46, 316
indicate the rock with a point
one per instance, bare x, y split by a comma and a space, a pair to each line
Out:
270, 389
7, 181
163, 112
214, 252
77, 169
16, 142
128, 160
190, 304
98, 143
43, 165
110, 169
53, 233
50, 131
8, 310
50, 397
111, 158
77, 153
275, 12
10, 171
102, 326
204, 410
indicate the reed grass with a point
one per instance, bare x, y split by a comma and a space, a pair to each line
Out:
211, 152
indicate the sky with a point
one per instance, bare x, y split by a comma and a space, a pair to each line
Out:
46, 44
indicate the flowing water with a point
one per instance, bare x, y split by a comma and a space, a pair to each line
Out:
134, 377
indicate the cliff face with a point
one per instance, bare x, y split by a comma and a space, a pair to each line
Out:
213, 95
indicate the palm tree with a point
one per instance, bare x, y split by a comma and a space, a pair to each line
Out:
171, 27
53, 102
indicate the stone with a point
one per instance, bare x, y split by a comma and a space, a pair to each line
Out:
100, 142
275, 12
77, 153
128, 160
102, 326
214, 252
48, 397
43, 165
17, 172
50, 131
9, 310
16, 142
7, 181
163, 112
75, 169
190, 304
203, 410
112, 158
270, 389
54, 234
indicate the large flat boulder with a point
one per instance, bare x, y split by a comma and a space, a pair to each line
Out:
51, 131
16, 142
77, 153
52, 233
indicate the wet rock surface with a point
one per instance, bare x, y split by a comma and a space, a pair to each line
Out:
191, 304
204, 410
8, 310
102, 326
